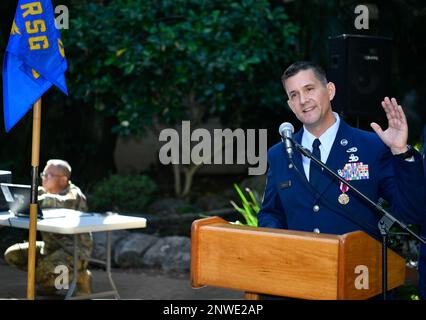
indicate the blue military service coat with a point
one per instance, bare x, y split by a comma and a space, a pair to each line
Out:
366, 162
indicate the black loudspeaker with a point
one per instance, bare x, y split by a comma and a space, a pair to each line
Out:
360, 67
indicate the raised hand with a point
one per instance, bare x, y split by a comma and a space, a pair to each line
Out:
396, 135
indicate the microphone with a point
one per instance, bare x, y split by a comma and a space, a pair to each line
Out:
286, 132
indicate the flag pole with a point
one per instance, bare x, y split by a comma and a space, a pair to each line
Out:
35, 157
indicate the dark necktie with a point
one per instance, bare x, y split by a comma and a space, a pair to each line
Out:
314, 169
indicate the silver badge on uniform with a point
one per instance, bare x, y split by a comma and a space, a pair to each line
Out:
343, 142
353, 158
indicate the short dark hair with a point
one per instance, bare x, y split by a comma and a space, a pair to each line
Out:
304, 65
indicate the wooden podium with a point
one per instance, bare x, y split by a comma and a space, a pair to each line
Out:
289, 263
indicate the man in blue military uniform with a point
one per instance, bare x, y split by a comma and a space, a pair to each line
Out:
380, 164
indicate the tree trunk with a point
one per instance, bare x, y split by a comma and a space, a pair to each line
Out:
189, 174
176, 175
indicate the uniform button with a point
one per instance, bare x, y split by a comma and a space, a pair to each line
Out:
316, 208
316, 230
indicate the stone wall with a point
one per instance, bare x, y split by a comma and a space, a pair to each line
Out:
139, 250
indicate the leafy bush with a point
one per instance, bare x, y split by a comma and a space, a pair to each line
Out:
144, 61
122, 193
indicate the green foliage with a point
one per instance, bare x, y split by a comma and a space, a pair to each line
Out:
250, 207
407, 292
122, 193
419, 147
149, 61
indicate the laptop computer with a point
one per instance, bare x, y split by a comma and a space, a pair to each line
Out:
18, 198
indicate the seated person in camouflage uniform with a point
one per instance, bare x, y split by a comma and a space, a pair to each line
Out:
57, 249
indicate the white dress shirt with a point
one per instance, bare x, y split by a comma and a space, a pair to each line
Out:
326, 139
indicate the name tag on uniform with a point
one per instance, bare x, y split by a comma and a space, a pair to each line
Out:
285, 184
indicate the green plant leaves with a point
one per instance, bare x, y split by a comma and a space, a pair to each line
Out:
249, 209
158, 52
122, 193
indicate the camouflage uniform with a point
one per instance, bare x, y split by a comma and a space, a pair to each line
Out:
55, 249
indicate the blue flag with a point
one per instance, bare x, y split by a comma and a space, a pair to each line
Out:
34, 59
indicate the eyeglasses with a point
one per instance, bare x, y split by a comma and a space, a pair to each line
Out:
49, 175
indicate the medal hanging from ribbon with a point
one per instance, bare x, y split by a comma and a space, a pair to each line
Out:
343, 198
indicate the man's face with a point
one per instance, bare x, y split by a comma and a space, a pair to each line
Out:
309, 99
54, 179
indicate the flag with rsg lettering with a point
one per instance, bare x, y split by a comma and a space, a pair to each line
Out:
34, 59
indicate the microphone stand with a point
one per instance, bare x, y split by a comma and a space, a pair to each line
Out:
384, 224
